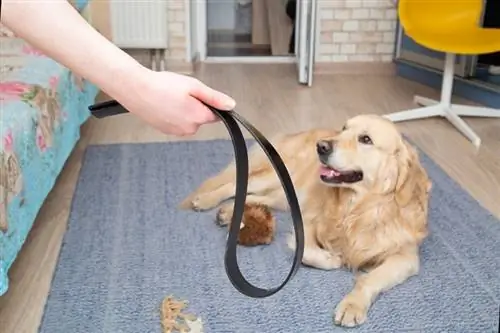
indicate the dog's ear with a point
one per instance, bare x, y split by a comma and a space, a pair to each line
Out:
412, 182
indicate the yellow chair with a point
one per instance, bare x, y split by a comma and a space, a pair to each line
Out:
452, 27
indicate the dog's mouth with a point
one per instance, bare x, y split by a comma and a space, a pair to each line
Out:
333, 176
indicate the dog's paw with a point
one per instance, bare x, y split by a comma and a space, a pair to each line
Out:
322, 259
351, 311
203, 202
315, 256
224, 216
291, 242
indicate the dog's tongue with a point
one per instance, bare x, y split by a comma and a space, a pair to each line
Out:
328, 172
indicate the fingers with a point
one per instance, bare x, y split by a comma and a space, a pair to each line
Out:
198, 113
211, 96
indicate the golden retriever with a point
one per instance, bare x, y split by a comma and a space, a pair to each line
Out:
364, 198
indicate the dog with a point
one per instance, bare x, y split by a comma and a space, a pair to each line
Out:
364, 199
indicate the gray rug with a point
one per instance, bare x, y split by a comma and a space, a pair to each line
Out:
127, 247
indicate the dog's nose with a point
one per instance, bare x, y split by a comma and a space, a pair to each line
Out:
324, 147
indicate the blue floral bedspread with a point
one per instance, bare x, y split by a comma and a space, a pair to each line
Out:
42, 106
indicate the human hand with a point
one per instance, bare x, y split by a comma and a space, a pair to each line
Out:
172, 103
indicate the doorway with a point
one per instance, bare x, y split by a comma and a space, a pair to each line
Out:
251, 28
255, 31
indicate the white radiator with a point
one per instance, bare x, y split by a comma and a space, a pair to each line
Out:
139, 24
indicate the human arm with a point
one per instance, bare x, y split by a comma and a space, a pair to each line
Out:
167, 101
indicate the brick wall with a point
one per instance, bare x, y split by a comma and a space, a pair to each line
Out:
177, 30
350, 31
356, 30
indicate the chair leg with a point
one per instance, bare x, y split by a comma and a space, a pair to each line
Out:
444, 108
475, 111
463, 127
419, 113
424, 101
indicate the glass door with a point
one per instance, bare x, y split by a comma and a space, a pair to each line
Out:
305, 41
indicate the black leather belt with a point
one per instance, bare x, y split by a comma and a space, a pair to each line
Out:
230, 119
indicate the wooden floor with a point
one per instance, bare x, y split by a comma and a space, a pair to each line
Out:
221, 43
269, 97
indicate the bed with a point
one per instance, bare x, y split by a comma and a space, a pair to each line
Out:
43, 105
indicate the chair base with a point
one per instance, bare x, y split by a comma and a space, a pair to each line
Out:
433, 108
444, 107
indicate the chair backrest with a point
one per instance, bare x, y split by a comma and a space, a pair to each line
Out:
429, 15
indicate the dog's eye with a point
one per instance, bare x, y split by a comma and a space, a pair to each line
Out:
365, 139
344, 128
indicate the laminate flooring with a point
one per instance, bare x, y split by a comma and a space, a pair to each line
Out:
270, 98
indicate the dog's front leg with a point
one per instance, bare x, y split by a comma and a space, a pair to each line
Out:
260, 185
314, 255
353, 309
209, 200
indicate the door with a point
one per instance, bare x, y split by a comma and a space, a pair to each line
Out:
198, 29
193, 52
305, 41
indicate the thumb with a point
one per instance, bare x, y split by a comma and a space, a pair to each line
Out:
212, 97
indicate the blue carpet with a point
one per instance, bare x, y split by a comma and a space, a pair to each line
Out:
127, 247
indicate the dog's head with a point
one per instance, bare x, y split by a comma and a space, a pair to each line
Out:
369, 154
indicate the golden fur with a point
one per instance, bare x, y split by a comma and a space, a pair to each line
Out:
373, 226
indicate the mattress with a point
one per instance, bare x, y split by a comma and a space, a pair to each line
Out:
43, 105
